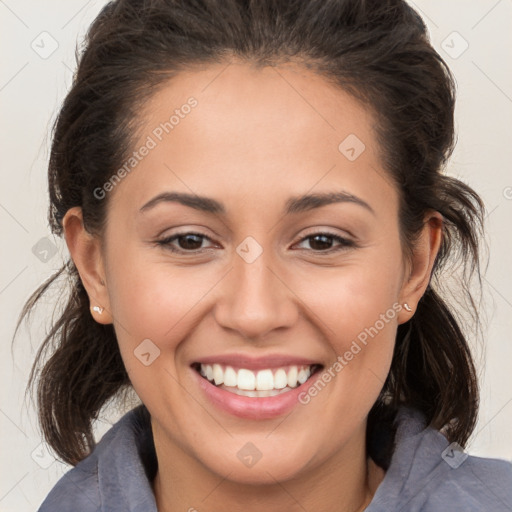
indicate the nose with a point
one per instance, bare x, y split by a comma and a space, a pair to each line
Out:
255, 298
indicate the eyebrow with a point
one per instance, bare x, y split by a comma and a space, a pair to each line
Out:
293, 205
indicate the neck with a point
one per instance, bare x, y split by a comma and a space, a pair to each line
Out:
344, 483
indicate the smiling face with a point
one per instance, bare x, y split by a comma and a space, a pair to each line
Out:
214, 253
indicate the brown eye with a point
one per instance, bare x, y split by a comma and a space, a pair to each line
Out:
190, 241
186, 242
323, 242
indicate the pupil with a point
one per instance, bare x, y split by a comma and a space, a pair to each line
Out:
326, 244
188, 244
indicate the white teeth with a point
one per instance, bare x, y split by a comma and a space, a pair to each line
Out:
280, 379
292, 376
303, 376
218, 374
246, 379
259, 394
264, 380
230, 377
260, 383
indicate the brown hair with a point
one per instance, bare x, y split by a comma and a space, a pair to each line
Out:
377, 50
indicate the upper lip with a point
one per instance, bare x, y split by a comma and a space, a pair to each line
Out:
256, 363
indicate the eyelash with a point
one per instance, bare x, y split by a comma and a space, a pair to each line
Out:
344, 242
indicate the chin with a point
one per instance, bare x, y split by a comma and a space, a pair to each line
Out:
259, 462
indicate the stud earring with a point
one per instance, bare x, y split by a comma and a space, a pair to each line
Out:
407, 307
98, 309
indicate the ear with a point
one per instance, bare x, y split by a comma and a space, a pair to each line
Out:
420, 266
85, 250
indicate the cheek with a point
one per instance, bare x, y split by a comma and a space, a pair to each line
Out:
160, 303
352, 298
152, 299
157, 300
357, 308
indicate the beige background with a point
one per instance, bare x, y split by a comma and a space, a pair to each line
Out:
32, 86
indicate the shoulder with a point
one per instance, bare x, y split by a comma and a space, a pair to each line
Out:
477, 484
76, 490
115, 476
428, 473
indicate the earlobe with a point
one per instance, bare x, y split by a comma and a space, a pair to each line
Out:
423, 258
85, 251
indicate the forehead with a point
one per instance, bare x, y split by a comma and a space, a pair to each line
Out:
243, 101
235, 130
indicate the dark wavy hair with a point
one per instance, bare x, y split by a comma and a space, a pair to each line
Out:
376, 50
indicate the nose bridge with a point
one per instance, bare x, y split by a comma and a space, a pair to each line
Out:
254, 299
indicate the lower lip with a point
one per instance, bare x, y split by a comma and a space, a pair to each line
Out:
254, 408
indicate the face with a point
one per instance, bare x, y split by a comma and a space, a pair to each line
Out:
256, 286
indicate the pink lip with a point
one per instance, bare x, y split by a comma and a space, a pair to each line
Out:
256, 363
254, 408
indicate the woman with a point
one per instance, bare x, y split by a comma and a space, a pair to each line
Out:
252, 198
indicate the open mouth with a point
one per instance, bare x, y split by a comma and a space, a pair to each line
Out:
259, 383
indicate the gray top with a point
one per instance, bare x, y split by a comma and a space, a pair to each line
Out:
426, 473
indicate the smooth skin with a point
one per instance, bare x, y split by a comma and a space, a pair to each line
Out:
257, 137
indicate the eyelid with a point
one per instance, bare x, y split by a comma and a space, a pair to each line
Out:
346, 235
